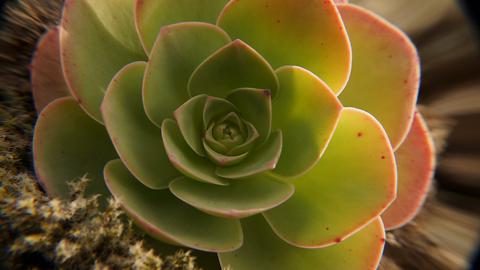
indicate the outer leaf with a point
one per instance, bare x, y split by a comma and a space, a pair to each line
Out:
234, 66
351, 185
184, 159
416, 162
138, 142
67, 144
189, 118
95, 44
385, 72
152, 15
264, 250
163, 216
306, 33
47, 78
307, 112
179, 49
255, 106
240, 199
262, 159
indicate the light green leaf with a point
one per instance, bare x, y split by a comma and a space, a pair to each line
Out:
95, 44
259, 160
351, 185
68, 144
189, 118
216, 108
264, 250
138, 142
255, 106
185, 159
240, 199
234, 66
307, 112
163, 216
152, 15
179, 49
306, 33
221, 159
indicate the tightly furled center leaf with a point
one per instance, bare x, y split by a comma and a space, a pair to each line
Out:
220, 129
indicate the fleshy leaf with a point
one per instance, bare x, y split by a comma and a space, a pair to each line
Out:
189, 118
184, 158
213, 143
416, 162
306, 33
221, 159
47, 78
240, 199
138, 142
255, 106
307, 112
152, 15
164, 216
351, 185
68, 144
385, 72
95, 44
259, 160
252, 136
179, 49
234, 66
216, 108
262, 249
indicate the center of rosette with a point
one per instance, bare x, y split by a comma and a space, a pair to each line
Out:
228, 139
226, 130
230, 130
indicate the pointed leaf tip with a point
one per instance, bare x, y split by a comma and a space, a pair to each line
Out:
236, 65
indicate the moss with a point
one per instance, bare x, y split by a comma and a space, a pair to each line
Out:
43, 233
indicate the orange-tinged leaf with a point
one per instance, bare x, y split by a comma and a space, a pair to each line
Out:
47, 78
385, 72
415, 162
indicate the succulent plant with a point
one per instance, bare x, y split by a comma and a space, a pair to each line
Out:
272, 132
